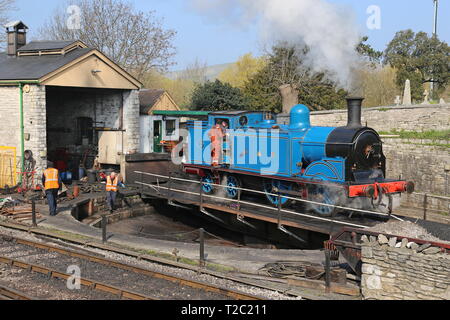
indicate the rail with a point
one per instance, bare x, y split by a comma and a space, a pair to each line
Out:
128, 267
12, 294
98, 286
157, 187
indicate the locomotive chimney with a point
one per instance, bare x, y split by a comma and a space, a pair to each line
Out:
354, 112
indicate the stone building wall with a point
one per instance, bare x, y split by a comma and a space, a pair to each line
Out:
405, 272
35, 125
9, 117
413, 118
131, 107
103, 107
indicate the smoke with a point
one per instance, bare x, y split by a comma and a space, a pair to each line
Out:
329, 30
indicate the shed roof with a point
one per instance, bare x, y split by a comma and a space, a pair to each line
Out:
148, 97
49, 60
46, 45
35, 67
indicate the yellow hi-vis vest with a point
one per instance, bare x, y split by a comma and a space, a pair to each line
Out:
51, 179
111, 185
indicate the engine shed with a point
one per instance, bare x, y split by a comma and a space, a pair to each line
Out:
65, 102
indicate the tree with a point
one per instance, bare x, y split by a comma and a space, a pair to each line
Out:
366, 51
217, 96
182, 86
378, 85
5, 6
241, 71
420, 59
134, 39
286, 66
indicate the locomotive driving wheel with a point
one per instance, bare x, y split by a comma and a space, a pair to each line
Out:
207, 184
273, 187
325, 195
232, 182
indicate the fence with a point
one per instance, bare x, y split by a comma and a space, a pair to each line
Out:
278, 211
8, 167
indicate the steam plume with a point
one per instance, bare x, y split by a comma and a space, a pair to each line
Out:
329, 30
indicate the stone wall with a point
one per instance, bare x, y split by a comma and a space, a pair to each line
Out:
65, 106
9, 117
394, 270
131, 107
426, 163
34, 110
35, 123
413, 118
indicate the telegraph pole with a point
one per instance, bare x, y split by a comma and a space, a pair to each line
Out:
435, 21
436, 4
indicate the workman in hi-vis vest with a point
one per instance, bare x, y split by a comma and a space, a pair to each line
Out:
52, 184
112, 182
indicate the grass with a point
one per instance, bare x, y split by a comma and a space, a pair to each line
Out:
430, 135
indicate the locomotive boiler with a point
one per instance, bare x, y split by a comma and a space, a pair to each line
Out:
330, 167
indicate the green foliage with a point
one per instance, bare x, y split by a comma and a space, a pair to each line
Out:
420, 59
367, 51
241, 71
217, 96
430, 135
286, 65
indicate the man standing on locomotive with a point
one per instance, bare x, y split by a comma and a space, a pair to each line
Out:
216, 136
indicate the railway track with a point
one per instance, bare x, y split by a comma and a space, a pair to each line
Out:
12, 294
109, 276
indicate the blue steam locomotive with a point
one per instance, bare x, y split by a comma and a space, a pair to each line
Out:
326, 165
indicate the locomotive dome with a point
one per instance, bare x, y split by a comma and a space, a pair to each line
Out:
300, 117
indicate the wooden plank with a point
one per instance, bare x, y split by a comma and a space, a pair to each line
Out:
320, 285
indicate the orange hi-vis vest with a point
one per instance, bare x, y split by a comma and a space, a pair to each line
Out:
51, 179
111, 185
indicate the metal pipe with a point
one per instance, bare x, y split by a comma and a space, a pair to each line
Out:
327, 271
22, 133
202, 247
425, 204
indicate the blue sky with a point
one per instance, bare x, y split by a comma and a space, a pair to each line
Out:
213, 43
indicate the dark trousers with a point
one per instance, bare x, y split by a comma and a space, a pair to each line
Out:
110, 199
52, 195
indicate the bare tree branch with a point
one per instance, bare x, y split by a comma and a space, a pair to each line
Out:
5, 7
134, 39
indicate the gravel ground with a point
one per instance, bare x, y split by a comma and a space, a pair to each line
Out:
39, 286
267, 294
153, 287
406, 229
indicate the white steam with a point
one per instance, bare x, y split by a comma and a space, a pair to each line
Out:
329, 30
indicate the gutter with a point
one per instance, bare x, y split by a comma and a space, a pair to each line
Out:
20, 84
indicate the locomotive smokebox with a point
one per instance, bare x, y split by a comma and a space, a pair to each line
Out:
354, 112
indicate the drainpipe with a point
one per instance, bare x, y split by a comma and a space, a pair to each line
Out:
22, 129
22, 125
